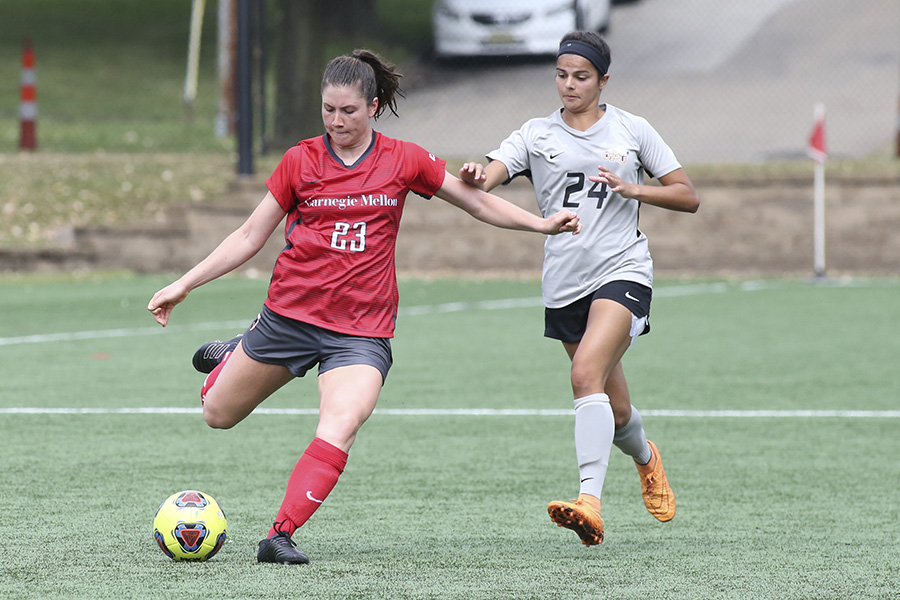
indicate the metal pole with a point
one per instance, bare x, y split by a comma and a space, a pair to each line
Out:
193, 61
820, 154
225, 118
245, 95
819, 221
261, 41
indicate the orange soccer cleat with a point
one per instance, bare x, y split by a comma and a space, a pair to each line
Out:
658, 496
581, 516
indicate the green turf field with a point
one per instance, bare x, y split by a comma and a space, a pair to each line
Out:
445, 492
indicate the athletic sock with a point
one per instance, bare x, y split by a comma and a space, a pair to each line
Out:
312, 479
594, 430
211, 378
632, 440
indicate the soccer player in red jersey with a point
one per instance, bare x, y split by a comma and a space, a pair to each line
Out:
333, 298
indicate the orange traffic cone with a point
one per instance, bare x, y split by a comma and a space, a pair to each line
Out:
28, 106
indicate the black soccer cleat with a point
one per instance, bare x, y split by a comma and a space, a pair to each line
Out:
210, 354
280, 549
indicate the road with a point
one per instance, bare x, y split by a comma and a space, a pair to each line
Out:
721, 81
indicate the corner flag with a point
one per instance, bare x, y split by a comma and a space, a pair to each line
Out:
816, 148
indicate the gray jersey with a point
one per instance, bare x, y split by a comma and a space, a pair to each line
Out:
559, 160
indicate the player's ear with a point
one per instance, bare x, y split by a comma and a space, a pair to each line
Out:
373, 108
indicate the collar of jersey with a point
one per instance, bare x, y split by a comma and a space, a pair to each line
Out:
358, 160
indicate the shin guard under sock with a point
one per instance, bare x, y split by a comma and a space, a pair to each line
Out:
211, 378
594, 430
631, 439
312, 479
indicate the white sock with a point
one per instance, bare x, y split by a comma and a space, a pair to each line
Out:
632, 441
594, 430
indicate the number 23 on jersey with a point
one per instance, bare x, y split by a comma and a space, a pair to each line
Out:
349, 236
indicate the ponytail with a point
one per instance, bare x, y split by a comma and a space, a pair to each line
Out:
375, 77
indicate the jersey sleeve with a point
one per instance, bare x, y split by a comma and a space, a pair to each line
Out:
514, 153
656, 156
280, 181
424, 171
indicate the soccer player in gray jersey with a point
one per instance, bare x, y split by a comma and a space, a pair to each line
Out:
591, 158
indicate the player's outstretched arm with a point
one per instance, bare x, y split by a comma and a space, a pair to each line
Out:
235, 250
498, 212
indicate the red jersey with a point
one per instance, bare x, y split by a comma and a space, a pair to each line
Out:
338, 269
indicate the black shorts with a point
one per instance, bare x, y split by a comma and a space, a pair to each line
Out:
278, 340
568, 323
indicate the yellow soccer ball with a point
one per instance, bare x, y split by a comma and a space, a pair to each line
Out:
190, 525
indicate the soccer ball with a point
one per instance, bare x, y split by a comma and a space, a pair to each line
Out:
189, 525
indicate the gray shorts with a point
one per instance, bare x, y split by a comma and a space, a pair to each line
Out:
278, 340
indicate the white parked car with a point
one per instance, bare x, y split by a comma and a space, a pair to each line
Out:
511, 27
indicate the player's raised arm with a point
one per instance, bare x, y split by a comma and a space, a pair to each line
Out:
485, 177
676, 192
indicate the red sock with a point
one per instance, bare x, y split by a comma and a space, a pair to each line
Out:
313, 478
211, 378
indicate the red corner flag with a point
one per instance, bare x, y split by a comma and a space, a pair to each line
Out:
816, 148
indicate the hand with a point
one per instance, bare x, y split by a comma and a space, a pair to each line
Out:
613, 183
164, 301
473, 174
565, 221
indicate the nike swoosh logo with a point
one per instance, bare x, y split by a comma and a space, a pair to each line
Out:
630, 297
310, 496
586, 479
552, 156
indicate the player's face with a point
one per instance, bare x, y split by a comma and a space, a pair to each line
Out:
578, 83
346, 115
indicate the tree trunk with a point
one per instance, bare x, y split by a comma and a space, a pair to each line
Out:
299, 61
352, 20
307, 30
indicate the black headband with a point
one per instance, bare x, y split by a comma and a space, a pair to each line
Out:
587, 51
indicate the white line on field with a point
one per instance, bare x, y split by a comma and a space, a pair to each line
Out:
117, 333
693, 289
477, 412
428, 309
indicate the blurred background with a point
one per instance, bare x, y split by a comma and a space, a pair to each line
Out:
139, 104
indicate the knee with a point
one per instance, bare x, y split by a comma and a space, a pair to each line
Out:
339, 431
585, 380
345, 429
217, 419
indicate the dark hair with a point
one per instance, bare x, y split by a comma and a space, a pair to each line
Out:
593, 39
376, 78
